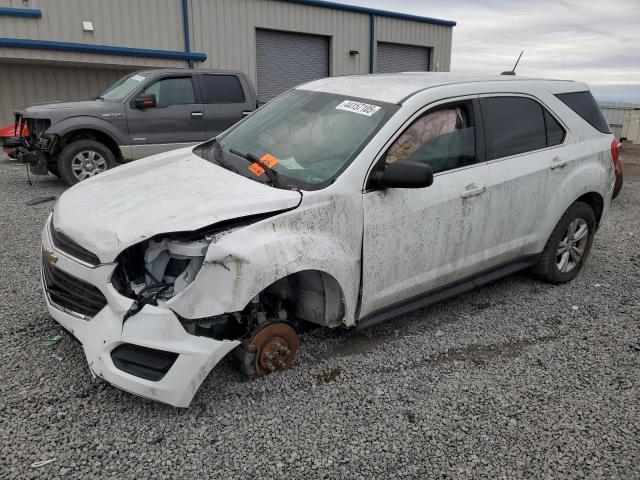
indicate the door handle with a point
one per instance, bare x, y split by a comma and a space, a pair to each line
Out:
472, 189
197, 115
557, 163
246, 113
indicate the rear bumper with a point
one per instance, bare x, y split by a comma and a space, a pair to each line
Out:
154, 328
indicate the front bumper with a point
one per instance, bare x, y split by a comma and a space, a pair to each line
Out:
153, 327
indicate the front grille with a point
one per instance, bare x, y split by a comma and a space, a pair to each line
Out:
70, 292
65, 244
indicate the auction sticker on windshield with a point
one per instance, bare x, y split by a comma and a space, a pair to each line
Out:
137, 78
357, 107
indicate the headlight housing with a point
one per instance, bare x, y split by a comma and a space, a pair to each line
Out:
162, 267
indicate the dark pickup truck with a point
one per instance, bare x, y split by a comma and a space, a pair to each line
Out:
142, 114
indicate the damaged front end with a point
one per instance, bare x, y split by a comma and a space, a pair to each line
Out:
155, 271
33, 145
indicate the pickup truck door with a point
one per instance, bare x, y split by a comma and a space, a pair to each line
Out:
177, 120
227, 99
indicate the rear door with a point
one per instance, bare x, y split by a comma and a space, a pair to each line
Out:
226, 98
176, 121
524, 146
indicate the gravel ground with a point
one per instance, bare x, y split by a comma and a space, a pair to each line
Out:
516, 380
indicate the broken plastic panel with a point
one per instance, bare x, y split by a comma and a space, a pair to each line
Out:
171, 263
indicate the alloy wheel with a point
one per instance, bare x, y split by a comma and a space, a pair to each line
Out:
88, 163
573, 245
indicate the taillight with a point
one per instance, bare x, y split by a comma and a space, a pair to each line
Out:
616, 148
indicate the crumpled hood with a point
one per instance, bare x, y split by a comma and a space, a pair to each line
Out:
171, 192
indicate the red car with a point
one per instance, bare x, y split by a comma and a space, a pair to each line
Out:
10, 137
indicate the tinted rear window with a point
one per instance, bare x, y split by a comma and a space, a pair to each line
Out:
555, 132
514, 125
585, 105
222, 89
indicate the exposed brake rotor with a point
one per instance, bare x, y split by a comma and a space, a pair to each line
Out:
277, 345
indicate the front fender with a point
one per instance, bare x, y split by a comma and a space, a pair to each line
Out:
86, 122
244, 262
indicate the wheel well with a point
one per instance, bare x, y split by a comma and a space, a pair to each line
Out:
310, 295
596, 202
89, 134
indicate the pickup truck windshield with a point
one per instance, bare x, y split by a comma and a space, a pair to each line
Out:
123, 87
302, 139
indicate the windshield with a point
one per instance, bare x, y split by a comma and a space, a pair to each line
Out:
302, 139
123, 87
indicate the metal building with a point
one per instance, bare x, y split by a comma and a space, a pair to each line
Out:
618, 116
73, 49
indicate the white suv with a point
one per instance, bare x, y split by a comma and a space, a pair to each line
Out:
342, 203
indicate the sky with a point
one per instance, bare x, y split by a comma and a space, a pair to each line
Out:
593, 41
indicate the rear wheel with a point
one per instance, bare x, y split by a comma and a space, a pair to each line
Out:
84, 159
569, 245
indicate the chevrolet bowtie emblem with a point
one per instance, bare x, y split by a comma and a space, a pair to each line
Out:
50, 256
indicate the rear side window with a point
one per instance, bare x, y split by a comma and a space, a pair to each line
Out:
514, 125
222, 89
555, 132
585, 105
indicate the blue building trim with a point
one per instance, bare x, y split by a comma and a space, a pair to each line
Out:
373, 44
20, 12
185, 30
374, 11
101, 49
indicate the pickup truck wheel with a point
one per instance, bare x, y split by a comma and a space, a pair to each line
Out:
84, 159
569, 245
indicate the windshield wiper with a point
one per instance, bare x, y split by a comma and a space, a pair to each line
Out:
270, 172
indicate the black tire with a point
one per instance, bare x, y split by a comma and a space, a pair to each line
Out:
618, 186
71, 151
53, 169
547, 267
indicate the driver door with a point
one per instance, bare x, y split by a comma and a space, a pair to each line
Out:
417, 240
176, 121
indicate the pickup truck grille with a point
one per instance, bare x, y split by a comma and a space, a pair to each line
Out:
70, 292
65, 244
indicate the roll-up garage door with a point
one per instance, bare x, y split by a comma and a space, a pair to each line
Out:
394, 57
285, 60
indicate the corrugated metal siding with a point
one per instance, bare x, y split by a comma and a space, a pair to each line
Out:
153, 24
393, 57
438, 37
226, 31
25, 84
285, 60
618, 116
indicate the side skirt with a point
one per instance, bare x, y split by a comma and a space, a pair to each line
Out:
444, 293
